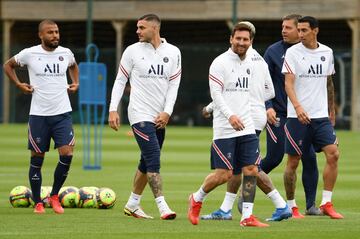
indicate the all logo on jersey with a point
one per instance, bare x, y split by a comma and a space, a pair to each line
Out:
315, 69
156, 70
242, 82
54, 68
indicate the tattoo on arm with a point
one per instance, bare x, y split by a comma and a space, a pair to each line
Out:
331, 94
249, 188
155, 183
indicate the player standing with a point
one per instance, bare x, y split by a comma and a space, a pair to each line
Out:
308, 69
50, 108
153, 68
276, 113
235, 145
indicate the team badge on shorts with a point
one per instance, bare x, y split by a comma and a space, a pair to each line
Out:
228, 155
166, 60
142, 124
38, 140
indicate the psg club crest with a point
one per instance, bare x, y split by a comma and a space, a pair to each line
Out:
61, 58
248, 71
166, 60
38, 140
229, 155
322, 58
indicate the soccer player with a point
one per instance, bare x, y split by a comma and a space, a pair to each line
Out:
263, 90
50, 108
235, 145
308, 69
276, 113
153, 68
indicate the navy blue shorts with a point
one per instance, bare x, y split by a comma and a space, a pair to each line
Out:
43, 128
299, 137
150, 141
235, 153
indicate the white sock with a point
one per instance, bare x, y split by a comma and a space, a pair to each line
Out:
291, 203
200, 195
276, 198
134, 201
228, 202
326, 197
247, 209
162, 205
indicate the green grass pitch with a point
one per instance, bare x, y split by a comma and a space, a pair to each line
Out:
185, 163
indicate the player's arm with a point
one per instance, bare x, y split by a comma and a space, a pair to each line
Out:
122, 77
74, 76
270, 112
290, 91
9, 69
162, 118
207, 110
331, 99
216, 88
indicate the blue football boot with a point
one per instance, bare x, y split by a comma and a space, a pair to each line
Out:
280, 214
218, 215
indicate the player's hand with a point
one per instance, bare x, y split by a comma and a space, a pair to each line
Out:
236, 123
271, 116
162, 120
114, 120
205, 114
73, 88
302, 115
25, 88
332, 117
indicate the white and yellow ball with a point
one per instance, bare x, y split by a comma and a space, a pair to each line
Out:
105, 198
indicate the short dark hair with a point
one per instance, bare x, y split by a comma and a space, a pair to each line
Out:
244, 26
313, 22
45, 22
294, 17
151, 17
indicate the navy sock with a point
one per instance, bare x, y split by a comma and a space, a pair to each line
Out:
61, 173
35, 178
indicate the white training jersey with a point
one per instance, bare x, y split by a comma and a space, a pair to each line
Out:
230, 80
47, 74
311, 68
261, 91
154, 76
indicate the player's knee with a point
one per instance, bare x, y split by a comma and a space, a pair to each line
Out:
333, 157
66, 150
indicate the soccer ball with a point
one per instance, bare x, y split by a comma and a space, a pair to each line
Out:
44, 196
85, 198
20, 196
105, 198
67, 196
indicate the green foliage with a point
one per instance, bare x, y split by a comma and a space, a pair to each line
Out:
185, 163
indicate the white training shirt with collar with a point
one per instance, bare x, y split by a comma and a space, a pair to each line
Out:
154, 76
47, 74
230, 80
261, 91
311, 68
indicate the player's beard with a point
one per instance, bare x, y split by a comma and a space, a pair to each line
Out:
51, 44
